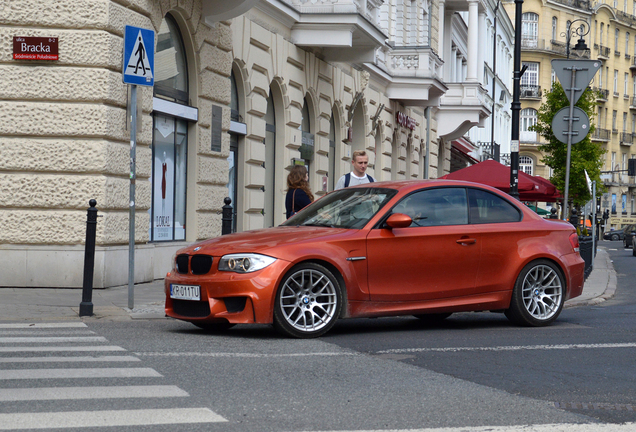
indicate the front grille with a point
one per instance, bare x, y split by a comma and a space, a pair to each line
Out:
182, 264
192, 309
201, 264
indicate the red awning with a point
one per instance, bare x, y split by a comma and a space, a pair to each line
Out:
497, 175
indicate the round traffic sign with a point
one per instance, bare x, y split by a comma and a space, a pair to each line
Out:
580, 125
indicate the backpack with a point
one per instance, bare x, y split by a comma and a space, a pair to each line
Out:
348, 179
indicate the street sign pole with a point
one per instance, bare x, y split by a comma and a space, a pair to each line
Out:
138, 69
131, 216
569, 144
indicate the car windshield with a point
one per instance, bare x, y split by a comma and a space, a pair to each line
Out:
344, 208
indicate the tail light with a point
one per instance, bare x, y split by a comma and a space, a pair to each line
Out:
574, 241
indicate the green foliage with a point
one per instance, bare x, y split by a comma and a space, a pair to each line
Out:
585, 155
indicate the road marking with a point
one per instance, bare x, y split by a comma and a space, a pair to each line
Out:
41, 332
69, 359
554, 427
78, 373
76, 393
85, 419
511, 348
52, 339
62, 348
243, 355
42, 325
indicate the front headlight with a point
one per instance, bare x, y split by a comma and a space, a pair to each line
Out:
244, 263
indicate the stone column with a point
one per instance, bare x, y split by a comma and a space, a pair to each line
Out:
473, 39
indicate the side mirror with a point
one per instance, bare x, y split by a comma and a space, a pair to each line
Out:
399, 220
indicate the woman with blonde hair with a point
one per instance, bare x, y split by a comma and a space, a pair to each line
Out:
298, 192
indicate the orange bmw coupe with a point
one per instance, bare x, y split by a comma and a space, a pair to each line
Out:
426, 248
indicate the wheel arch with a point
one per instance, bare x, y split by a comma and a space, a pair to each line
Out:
336, 273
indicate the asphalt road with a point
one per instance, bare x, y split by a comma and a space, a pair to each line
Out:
474, 370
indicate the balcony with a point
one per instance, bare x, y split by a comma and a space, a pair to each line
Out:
632, 103
617, 53
530, 92
585, 5
488, 150
601, 94
347, 30
462, 107
632, 65
626, 139
604, 52
553, 46
412, 74
626, 18
601, 135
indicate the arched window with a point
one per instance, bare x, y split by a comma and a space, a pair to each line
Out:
528, 118
307, 146
526, 164
270, 162
170, 137
554, 28
529, 29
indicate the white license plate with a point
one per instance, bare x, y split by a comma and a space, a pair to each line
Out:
185, 292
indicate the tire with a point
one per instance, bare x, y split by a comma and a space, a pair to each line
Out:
625, 243
538, 295
214, 327
308, 301
615, 237
433, 318
633, 249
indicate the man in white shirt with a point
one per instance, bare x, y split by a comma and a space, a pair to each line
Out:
359, 161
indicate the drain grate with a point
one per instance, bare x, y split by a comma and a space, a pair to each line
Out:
595, 406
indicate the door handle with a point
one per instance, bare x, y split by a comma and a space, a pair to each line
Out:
467, 241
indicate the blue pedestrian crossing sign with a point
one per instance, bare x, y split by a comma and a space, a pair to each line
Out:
139, 56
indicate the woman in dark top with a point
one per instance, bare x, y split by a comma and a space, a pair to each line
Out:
298, 193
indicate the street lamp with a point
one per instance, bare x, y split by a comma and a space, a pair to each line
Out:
515, 106
578, 31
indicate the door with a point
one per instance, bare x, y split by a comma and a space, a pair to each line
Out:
436, 257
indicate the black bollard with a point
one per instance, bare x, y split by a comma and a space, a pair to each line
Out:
226, 218
574, 218
86, 306
553, 213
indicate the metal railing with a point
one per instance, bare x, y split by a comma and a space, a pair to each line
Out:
604, 51
601, 134
626, 138
602, 94
530, 91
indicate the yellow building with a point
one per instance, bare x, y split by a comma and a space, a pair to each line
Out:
610, 34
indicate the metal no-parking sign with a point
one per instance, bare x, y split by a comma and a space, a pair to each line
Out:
139, 56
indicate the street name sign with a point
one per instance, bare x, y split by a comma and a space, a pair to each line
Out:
139, 56
585, 71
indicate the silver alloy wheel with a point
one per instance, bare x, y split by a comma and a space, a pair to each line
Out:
542, 292
308, 300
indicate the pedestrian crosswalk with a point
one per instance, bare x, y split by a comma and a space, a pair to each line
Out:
78, 356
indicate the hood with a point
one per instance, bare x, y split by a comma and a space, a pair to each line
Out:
264, 240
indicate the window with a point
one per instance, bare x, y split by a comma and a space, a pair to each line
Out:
626, 43
615, 81
531, 77
435, 207
600, 39
626, 85
170, 137
616, 34
526, 164
486, 207
554, 28
624, 122
614, 127
528, 118
529, 29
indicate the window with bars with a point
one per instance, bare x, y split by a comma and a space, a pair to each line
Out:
526, 164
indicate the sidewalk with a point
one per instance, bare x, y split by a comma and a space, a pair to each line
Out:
38, 304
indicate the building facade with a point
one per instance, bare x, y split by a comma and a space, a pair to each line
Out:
243, 91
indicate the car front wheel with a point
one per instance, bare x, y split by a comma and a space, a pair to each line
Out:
308, 301
614, 237
538, 295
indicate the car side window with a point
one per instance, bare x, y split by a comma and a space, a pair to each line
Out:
486, 207
435, 207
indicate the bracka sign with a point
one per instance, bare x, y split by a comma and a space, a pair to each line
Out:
35, 48
404, 120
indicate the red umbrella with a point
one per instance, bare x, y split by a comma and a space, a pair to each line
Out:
497, 175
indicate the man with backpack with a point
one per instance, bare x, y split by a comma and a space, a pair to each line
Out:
359, 161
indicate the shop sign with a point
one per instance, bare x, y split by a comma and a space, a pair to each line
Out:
35, 48
404, 120
622, 220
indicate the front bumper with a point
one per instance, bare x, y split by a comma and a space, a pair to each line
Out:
227, 296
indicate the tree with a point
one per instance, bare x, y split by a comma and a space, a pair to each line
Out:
585, 155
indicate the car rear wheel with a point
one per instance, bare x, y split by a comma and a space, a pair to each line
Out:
308, 301
538, 295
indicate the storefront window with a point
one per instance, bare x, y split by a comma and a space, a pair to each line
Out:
169, 178
170, 137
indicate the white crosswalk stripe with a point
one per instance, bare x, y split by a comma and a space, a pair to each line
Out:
25, 346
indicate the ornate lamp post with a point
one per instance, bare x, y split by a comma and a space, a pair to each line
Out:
578, 31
